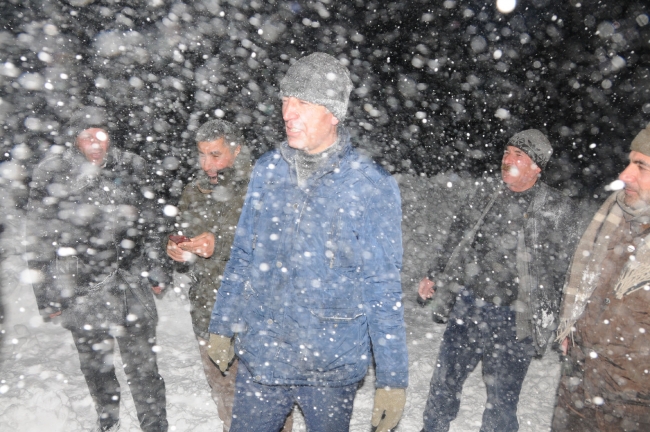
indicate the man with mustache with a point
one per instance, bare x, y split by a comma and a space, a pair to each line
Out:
209, 209
604, 324
501, 269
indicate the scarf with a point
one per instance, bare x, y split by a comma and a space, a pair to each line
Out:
584, 273
525, 306
305, 164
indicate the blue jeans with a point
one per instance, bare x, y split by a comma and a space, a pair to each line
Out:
264, 408
479, 331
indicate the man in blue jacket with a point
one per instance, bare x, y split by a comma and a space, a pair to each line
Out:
313, 279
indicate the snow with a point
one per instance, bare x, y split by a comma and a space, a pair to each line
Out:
41, 386
438, 86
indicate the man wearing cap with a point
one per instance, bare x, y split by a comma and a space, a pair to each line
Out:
605, 321
501, 269
92, 243
313, 281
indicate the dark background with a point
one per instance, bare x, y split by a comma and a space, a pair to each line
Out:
428, 79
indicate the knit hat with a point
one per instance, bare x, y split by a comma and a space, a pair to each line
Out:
641, 143
321, 79
86, 118
534, 144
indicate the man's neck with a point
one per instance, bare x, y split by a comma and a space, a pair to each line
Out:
331, 139
321, 150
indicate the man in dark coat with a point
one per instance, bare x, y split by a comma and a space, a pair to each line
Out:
503, 264
91, 242
605, 320
209, 210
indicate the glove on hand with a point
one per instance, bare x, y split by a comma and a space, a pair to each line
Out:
221, 351
391, 403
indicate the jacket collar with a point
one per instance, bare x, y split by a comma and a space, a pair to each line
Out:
333, 162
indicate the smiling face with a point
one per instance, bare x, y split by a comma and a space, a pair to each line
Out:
215, 156
518, 170
637, 181
310, 127
93, 144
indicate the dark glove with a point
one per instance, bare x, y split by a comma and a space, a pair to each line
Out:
422, 301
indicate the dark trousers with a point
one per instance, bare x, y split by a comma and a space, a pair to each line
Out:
96, 348
264, 408
474, 333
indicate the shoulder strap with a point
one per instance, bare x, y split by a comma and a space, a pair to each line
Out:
469, 235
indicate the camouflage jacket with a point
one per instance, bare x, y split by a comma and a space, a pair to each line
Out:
204, 207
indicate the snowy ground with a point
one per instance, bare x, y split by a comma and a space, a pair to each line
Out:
41, 386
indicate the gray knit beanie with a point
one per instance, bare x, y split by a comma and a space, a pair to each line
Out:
321, 79
534, 144
641, 143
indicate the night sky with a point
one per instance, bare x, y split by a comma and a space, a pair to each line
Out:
438, 85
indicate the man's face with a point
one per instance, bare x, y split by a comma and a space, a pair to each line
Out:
518, 170
310, 127
215, 156
93, 144
637, 181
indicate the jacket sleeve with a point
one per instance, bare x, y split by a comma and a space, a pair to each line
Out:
557, 234
382, 290
153, 259
226, 318
184, 214
176, 225
43, 228
558, 247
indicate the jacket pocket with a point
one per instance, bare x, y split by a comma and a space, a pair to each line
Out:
342, 248
67, 273
337, 341
336, 315
67, 265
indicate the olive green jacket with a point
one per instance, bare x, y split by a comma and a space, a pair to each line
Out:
204, 207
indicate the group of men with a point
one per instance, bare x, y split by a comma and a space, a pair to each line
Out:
509, 280
296, 276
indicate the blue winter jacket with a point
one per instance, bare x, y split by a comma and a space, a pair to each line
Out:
314, 274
